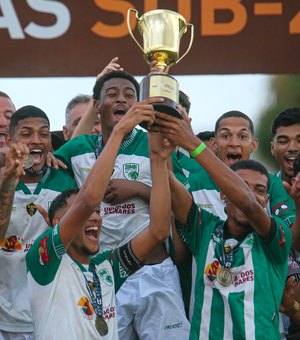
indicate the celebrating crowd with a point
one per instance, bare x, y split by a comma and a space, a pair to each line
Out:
111, 231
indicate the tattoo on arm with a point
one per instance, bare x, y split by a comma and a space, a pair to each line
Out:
7, 193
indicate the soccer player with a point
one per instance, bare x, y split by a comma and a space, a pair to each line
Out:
242, 260
73, 294
20, 195
125, 212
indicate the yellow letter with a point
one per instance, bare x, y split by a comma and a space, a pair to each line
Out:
210, 27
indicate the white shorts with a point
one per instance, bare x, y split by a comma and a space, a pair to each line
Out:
150, 306
16, 336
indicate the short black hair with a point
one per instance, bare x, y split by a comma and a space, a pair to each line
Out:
110, 75
290, 116
206, 135
184, 101
234, 114
24, 112
296, 165
251, 164
60, 202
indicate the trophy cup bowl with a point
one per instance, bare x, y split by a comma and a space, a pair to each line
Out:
161, 31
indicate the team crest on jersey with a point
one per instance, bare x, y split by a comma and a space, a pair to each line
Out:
43, 251
11, 245
105, 276
131, 171
211, 270
86, 308
31, 209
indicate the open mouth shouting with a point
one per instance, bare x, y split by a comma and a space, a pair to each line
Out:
36, 154
233, 158
92, 233
120, 111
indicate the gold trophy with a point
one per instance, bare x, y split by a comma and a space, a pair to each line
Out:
161, 30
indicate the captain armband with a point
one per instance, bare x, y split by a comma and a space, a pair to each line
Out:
127, 259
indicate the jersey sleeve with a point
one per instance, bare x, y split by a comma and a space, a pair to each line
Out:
44, 257
124, 263
281, 204
277, 243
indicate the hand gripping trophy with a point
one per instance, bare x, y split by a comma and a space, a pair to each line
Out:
161, 30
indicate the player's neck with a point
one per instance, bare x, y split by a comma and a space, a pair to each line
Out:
79, 257
236, 230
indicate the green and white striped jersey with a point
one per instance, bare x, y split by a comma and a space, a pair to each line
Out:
249, 307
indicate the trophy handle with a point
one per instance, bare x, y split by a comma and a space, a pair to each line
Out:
129, 28
190, 44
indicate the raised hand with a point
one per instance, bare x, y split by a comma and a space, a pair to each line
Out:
139, 112
113, 65
160, 145
15, 156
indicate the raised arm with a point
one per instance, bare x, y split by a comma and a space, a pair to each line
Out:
9, 180
179, 131
90, 116
93, 189
160, 199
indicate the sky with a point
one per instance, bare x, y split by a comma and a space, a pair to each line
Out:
210, 95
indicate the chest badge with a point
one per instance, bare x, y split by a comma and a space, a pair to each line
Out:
131, 171
31, 209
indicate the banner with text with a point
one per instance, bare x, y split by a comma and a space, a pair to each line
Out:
78, 38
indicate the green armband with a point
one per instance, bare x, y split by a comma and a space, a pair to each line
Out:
198, 150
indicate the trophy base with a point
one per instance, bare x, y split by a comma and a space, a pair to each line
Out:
162, 86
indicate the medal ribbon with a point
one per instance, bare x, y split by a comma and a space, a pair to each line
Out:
228, 247
96, 298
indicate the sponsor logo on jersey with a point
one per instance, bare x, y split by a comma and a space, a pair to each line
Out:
86, 308
124, 209
31, 209
174, 326
211, 271
109, 313
280, 208
205, 206
11, 245
131, 171
243, 277
105, 276
87, 170
43, 251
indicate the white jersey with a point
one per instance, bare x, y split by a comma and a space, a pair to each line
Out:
26, 224
60, 300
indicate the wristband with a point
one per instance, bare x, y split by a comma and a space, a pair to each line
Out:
198, 150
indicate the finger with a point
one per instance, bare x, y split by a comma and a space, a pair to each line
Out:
61, 164
44, 213
108, 198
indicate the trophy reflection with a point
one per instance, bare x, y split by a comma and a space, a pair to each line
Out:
161, 31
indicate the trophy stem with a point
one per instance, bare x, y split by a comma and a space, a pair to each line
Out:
161, 58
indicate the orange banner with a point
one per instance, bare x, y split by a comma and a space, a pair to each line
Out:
78, 38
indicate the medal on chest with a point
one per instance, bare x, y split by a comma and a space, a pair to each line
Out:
94, 289
101, 326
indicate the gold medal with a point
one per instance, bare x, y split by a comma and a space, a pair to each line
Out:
28, 162
224, 277
101, 326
